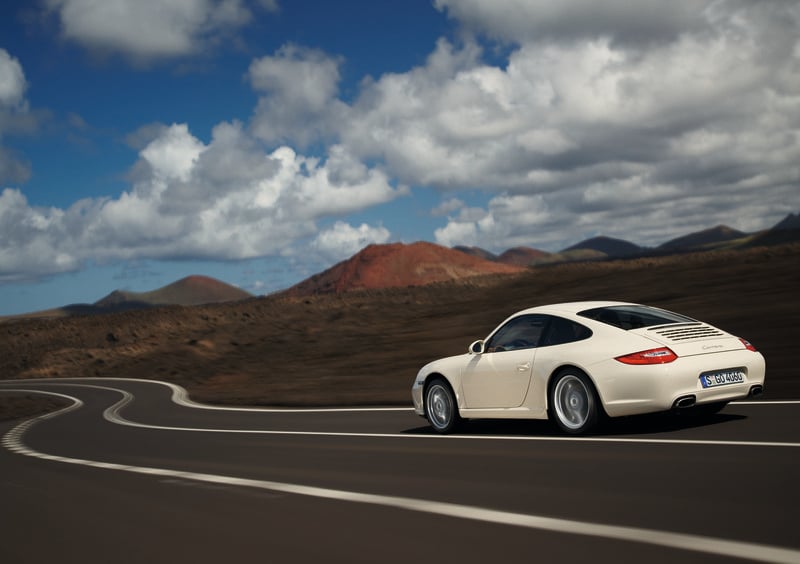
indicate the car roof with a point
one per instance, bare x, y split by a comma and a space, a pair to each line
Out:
572, 307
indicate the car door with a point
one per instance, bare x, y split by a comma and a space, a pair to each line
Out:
499, 377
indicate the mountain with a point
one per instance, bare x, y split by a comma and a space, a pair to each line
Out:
476, 252
785, 231
523, 256
609, 246
192, 290
189, 291
398, 265
791, 221
703, 239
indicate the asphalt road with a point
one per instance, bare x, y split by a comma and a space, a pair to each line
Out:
134, 472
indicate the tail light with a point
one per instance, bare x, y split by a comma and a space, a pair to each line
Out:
662, 355
747, 345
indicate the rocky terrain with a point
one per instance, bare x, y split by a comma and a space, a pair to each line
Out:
365, 346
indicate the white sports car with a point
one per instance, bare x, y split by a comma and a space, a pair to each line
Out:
577, 362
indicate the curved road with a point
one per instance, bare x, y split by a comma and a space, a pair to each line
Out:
133, 471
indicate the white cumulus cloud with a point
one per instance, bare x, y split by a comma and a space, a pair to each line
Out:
12, 81
226, 200
13, 114
447, 207
31, 239
145, 30
343, 240
525, 21
613, 117
299, 88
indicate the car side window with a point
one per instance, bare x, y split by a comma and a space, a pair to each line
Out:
522, 332
561, 331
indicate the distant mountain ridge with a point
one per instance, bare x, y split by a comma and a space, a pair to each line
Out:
421, 263
785, 231
791, 221
609, 246
703, 239
523, 256
603, 247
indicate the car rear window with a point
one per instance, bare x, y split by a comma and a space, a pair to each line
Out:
634, 316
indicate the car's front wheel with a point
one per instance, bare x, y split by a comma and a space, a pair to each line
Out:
574, 405
440, 406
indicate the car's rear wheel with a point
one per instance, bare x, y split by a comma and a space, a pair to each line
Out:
574, 405
440, 406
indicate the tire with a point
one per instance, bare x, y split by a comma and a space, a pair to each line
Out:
441, 409
574, 405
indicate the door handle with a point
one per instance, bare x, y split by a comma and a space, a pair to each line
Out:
524, 367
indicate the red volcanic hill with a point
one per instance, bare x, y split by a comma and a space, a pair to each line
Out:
192, 290
398, 265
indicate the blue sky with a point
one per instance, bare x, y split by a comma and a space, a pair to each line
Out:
261, 141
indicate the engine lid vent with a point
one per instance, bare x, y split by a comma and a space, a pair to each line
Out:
687, 332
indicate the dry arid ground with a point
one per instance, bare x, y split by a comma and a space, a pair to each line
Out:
366, 347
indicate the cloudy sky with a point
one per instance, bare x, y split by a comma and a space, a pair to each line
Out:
261, 141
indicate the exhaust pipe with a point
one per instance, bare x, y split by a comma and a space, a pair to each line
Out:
683, 402
756, 391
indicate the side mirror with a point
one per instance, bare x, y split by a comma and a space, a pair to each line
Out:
476, 347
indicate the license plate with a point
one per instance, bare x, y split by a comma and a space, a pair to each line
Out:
721, 378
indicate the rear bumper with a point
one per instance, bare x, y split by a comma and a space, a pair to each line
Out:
690, 400
631, 390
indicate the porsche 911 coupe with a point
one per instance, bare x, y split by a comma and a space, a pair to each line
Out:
576, 363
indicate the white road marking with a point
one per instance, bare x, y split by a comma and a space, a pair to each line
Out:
112, 415
181, 397
766, 402
13, 440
